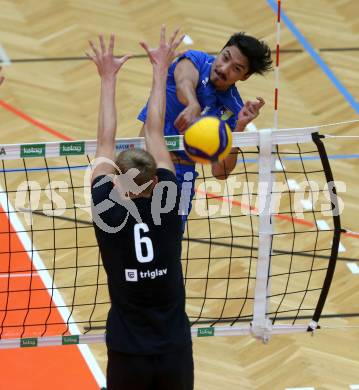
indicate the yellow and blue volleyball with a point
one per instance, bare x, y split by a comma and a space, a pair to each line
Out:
208, 140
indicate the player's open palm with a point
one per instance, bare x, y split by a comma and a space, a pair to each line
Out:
166, 52
107, 64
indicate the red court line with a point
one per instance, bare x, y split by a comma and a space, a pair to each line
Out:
33, 121
252, 208
352, 235
298, 221
25, 304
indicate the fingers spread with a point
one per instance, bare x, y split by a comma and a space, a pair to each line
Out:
163, 35
102, 44
111, 44
145, 46
94, 49
90, 56
173, 37
179, 41
125, 58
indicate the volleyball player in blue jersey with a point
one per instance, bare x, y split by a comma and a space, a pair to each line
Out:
201, 84
148, 334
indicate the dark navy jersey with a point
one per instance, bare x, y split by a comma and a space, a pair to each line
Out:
223, 104
143, 265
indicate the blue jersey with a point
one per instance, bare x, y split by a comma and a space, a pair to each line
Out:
222, 104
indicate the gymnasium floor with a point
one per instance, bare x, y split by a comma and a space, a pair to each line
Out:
51, 94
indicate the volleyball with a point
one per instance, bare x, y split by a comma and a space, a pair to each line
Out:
208, 140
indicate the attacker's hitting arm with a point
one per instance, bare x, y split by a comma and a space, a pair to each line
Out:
161, 58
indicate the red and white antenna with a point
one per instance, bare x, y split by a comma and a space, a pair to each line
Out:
276, 69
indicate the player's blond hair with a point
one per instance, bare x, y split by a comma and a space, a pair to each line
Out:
143, 161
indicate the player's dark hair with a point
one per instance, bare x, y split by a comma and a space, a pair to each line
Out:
141, 160
257, 52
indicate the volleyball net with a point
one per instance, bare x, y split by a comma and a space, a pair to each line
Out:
258, 253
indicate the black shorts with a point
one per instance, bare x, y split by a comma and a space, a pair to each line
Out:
171, 371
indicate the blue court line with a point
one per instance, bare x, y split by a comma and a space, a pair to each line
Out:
247, 160
316, 57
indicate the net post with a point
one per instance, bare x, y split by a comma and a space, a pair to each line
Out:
261, 325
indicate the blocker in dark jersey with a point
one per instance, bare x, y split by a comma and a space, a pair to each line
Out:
143, 266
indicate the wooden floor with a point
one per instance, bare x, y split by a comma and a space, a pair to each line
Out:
63, 95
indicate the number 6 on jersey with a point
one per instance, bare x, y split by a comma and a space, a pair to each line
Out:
143, 240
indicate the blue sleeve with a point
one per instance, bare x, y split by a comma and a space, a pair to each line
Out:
198, 58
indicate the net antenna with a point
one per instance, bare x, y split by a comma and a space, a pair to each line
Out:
276, 68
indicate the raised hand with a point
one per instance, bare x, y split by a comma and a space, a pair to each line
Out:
107, 64
2, 78
249, 112
166, 52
